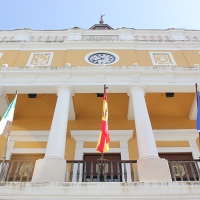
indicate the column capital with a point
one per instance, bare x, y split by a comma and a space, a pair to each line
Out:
141, 88
64, 88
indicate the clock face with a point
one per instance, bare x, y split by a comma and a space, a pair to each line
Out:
101, 58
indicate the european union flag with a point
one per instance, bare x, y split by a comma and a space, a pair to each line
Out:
198, 111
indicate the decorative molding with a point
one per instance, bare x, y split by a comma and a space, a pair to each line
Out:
162, 58
40, 59
117, 76
135, 77
169, 77
32, 78
100, 37
100, 77
65, 77
189, 135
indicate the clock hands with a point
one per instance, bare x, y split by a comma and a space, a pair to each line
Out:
101, 58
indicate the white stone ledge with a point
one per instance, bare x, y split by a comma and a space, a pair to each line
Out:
136, 190
100, 67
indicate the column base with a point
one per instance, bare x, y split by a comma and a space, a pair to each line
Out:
153, 170
50, 170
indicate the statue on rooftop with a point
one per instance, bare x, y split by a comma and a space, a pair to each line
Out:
101, 19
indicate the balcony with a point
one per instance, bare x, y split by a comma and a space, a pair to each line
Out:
88, 180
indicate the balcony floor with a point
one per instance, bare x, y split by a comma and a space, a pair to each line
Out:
85, 191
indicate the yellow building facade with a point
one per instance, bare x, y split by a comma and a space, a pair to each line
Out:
150, 74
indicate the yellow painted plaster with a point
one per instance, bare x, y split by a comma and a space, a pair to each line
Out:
179, 58
8, 57
172, 123
2, 144
30, 145
23, 56
160, 106
193, 57
41, 106
144, 58
27, 157
37, 114
76, 57
172, 144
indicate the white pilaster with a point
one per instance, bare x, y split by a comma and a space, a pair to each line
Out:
194, 148
53, 166
150, 167
78, 156
125, 156
193, 110
145, 138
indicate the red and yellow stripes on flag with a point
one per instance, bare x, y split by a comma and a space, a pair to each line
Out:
104, 137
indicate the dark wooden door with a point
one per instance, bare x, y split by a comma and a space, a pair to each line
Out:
93, 162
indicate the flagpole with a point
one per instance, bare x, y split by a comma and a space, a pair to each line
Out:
197, 106
102, 160
9, 124
102, 154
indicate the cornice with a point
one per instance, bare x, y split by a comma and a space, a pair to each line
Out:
53, 36
136, 44
89, 79
182, 70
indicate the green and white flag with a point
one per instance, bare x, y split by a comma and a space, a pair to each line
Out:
6, 121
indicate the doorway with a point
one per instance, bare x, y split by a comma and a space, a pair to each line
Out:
182, 167
94, 172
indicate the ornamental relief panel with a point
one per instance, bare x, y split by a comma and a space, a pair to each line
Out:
40, 59
162, 58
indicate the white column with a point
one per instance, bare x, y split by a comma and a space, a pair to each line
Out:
150, 167
57, 136
145, 138
53, 167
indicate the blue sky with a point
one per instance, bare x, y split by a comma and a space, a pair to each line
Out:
64, 14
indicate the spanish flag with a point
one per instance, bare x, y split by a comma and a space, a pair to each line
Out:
104, 137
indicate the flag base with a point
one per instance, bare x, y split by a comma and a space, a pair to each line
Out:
50, 170
153, 170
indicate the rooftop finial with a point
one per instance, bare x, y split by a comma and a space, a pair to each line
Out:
101, 19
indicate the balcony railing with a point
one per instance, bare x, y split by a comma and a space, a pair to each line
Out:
108, 171
16, 170
185, 170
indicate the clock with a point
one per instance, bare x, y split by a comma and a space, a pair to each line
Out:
101, 58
